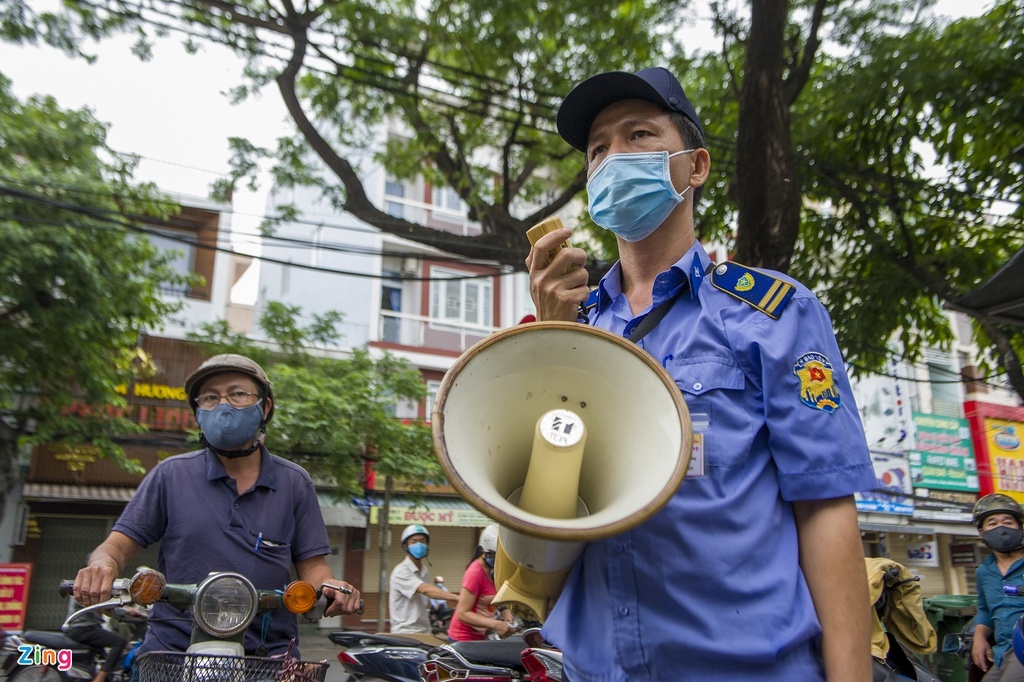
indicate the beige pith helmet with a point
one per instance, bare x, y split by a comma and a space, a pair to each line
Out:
228, 362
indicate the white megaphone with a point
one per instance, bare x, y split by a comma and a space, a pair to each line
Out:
562, 433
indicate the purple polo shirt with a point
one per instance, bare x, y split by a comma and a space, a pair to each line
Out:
190, 505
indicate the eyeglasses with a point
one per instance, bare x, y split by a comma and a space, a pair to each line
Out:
208, 401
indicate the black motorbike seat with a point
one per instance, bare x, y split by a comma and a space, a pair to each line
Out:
54, 640
352, 639
506, 652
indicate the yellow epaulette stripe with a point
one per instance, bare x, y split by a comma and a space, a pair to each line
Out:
779, 297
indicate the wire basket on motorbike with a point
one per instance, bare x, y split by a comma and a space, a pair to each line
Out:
166, 666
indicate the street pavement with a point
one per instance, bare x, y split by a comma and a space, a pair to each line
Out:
314, 646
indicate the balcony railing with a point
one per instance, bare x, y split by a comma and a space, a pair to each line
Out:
428, 333
431, 215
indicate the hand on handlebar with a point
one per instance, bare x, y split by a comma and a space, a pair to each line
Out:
93, 584
343, 599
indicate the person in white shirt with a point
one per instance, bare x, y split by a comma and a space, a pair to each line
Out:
410, 589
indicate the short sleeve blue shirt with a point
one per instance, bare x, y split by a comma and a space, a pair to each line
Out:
997, 610
190, 505
710, 588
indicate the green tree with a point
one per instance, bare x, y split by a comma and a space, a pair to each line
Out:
918, 174
467, 79
820, 116
866, 171
77, 283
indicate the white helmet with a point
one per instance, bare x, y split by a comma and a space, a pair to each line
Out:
489, 538
414, 529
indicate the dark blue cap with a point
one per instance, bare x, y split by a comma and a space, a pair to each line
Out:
585, 102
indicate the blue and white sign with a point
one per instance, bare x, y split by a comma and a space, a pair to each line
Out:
893, 489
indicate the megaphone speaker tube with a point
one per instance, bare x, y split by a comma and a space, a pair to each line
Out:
552, 481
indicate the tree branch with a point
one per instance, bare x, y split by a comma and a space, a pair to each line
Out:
801, 72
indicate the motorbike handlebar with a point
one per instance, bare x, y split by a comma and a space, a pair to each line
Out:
67, 588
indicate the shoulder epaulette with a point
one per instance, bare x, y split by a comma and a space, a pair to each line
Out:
767, 293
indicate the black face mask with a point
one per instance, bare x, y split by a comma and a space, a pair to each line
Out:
1003, 539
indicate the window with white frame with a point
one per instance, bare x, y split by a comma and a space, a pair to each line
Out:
433, 386
180, 248
394, 194
446, 198
459, 302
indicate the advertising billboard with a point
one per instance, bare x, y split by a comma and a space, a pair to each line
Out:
997, 432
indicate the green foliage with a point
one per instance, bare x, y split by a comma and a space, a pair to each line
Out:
473, 83
78, 283
334, 413
912, 235
889, 95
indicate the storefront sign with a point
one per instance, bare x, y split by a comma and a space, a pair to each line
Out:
891, 494
998, 431
431, 516
923, 553
159, 418
963, 555
942, 457
157, 391
14, 581
944, 505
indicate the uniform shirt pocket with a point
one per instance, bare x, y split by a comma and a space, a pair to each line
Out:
713, 388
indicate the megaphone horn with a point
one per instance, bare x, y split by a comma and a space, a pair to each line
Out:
532, 414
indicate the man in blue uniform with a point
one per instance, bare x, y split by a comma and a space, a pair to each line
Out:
231, 506
998, 518
754, 570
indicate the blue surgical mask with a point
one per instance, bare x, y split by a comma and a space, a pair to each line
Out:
632, 194
227, 427
418, 550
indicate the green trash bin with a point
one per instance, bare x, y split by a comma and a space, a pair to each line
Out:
948, 614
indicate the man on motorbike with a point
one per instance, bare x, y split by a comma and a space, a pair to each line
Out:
410, 589
230, 506
998, 518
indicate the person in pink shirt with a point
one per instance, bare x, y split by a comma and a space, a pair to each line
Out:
474, 615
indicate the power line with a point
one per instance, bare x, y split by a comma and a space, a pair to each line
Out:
454, 240
102, 216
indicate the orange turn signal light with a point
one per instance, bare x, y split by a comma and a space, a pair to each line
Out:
147, 586
299, 596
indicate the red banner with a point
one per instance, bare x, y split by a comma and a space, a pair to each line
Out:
14, 580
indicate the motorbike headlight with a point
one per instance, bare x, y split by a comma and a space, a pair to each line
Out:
225, 604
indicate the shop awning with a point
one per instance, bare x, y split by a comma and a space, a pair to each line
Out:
340, 513
79, 493
904, 524
430, 510
1001, 298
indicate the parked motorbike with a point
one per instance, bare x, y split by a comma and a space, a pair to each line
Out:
221, 608
960, 644
519, 657
22, 657
381, 657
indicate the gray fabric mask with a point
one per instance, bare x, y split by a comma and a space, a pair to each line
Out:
227, 427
